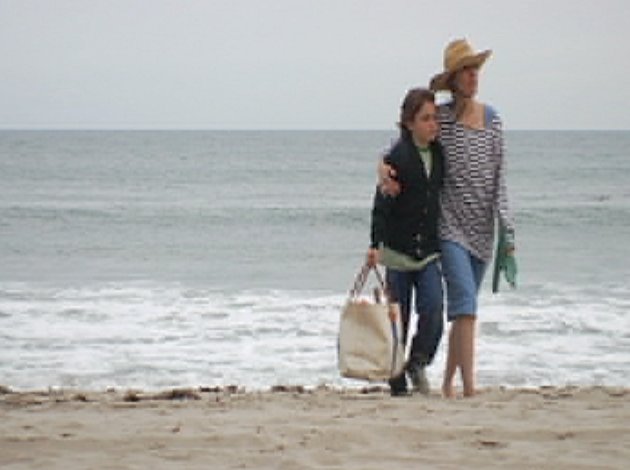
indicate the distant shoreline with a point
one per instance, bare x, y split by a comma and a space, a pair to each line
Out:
192, 129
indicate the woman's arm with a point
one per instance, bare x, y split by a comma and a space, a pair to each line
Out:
501, 197
387, 182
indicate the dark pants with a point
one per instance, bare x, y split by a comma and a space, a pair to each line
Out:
425, 286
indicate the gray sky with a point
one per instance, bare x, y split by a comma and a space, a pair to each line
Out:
297, 64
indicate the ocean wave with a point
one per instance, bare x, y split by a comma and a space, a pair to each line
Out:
155, 335
574, 215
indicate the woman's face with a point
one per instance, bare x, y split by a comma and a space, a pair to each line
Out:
424, 126
467, 81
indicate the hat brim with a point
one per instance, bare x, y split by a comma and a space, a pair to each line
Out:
439, 82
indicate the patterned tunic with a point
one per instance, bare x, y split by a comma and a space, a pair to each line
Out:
474, 184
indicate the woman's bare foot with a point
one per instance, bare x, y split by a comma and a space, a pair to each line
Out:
448, 391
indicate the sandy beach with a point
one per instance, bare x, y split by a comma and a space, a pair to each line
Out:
298, 428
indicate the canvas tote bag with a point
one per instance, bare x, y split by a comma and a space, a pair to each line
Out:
370, 334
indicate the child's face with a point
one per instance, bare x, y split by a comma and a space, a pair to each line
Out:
424, 126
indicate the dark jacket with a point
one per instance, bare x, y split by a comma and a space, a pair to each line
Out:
408, 223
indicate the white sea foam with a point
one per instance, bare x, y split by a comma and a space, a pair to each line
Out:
156, 335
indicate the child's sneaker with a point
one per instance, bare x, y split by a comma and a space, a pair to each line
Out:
398, 386
418, 377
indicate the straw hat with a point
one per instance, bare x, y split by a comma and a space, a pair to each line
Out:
457, 55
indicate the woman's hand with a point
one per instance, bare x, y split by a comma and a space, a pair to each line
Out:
371, 259
510, 246
387, 182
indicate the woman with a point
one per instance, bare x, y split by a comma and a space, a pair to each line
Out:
474, 193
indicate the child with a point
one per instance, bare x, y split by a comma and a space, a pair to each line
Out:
404, 234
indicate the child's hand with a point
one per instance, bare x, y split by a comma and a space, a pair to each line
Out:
387, 180
393, 311
371, 258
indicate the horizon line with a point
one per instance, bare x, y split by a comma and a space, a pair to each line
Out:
225, 129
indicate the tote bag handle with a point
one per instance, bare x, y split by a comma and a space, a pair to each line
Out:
361, 279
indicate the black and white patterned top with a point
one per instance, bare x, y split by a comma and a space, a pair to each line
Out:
474, 184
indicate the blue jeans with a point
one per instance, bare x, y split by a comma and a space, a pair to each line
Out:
426, 284
463, 273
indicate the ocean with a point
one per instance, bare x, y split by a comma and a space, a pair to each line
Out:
153, 259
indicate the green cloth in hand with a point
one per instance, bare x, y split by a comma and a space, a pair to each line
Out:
503, 262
